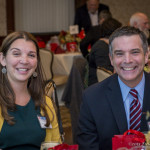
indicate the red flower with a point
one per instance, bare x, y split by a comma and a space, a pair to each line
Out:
41, 44
81, 34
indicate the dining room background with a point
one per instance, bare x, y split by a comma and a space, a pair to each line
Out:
46, 16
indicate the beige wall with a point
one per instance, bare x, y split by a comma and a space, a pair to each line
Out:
123, 9
3, 27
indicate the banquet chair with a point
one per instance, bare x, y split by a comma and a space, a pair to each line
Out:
72, 95
51, 82
102, 73
47, 57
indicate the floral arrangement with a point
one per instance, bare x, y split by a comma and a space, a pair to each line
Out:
69, 41
40, 42
66, 37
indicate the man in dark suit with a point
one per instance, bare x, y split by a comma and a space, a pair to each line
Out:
105, 110
87, 15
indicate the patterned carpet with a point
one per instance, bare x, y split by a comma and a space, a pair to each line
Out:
65, 116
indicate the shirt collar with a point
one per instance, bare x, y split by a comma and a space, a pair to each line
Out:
96, 13
125, 89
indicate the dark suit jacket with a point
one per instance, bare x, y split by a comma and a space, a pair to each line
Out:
82, 17
102, 114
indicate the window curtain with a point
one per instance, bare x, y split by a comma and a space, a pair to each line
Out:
44, 15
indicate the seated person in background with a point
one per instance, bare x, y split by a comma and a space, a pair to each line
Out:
107, 106
87, 15
99, 55
23, 104
140, 20
94, 33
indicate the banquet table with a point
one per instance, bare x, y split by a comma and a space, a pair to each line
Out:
62, 65
63, 62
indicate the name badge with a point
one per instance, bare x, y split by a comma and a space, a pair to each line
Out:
42, 121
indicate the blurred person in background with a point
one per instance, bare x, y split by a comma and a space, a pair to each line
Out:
27, 115
87, 15
94, 33
99, 55
140, 20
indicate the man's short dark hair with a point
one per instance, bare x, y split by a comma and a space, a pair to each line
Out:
128, 31
104, 14
109, 26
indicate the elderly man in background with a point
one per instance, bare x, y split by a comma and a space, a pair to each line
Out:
87, 15
140, 20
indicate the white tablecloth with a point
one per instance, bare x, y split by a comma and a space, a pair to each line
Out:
62, 65
63, 62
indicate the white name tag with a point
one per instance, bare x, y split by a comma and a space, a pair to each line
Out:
42, 121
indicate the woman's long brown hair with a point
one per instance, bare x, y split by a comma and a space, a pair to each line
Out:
35, 85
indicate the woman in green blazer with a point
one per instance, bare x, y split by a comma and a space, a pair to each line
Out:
27, 116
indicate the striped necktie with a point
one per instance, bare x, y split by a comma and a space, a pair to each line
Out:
135, 111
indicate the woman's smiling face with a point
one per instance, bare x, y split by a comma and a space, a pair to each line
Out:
20, 60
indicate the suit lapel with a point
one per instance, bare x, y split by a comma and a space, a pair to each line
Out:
116, 102
88, 20
146, 103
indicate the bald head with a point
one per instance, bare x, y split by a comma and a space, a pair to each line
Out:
140, 20
92, 5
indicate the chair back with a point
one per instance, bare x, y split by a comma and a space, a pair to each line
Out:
102, 73
72, 95
46, 57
